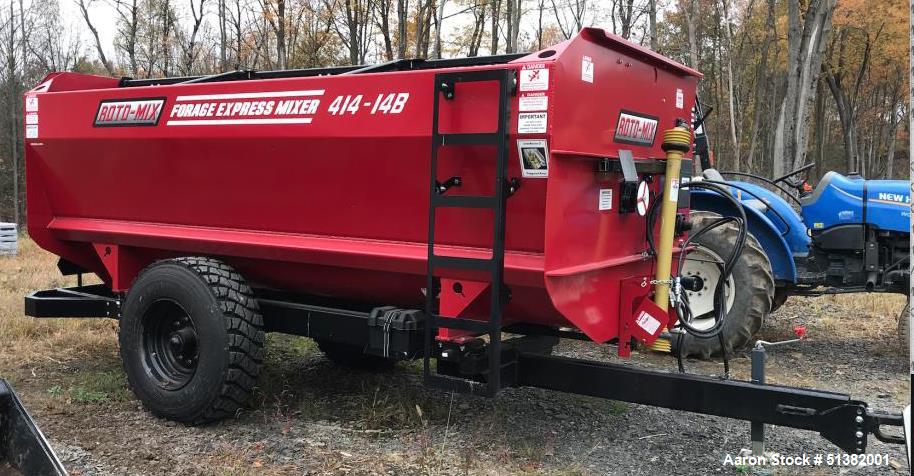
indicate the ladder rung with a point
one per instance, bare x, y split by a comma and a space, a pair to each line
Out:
461, 324
485, 138
457, 262
464, 201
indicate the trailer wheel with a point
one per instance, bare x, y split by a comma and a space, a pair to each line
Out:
352, 356
750, 289
191, 339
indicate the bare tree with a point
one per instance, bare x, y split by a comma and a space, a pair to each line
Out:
570, 17
382, 20
402, 23
806, 45
652, 23
128, 14
423, 22
84, 10
846, 95
275, 13
479, 16
495, 20
355, 28
11, 65
731, 95
438, 19
189, 47
689, 9
513, 13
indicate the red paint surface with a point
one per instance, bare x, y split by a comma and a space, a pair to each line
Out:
339, 206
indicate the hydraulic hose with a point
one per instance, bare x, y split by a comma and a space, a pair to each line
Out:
683, 311
682, 308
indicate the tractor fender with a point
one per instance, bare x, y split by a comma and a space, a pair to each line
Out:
767, 234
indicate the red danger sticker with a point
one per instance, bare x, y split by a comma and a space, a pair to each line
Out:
636, 129
129, 112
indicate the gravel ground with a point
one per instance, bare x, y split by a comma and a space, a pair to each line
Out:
311, 417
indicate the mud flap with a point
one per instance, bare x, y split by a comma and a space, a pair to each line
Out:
23, 449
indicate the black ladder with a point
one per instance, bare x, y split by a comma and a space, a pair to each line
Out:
495, 265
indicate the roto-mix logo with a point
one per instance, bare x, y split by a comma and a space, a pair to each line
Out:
636, 129
129, 112
272, 107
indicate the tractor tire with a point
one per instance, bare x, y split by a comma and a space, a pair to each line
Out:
752, 285
353, 357
191, 340
781, 293
904, 327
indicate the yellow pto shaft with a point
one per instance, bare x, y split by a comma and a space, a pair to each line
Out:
676, 142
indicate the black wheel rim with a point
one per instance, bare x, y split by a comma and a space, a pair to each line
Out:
170, 351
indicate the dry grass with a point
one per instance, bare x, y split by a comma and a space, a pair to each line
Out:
24, 339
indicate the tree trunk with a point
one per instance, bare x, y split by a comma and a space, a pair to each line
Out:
402, 20
652, 23
762, 84
439, 19
281, 33
222, 37
496, 18
688, 8
734, 138
84, 10
806, 46
382, 7
479, 12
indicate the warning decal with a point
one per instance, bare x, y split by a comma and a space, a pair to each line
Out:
533, 102
534, 158
534, 79
586, 69
606, 199
647, 322
531, 123
31, 103
674, 189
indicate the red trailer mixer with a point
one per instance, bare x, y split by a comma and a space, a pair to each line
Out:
412, 209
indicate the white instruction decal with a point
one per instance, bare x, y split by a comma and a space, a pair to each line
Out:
674, 189
531, 123
647, 322
587, 69
31, 131
680, 99
533, 102
606, 199
31, 118
534, 157
534, 79
31, 103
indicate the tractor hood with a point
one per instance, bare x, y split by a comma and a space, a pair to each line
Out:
842, 200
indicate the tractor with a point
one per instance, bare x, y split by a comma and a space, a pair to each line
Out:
845, 235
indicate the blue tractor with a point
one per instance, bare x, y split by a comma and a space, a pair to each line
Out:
846, 235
